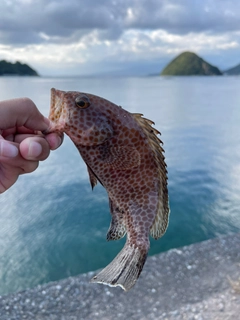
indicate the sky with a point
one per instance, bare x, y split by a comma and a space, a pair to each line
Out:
117, 37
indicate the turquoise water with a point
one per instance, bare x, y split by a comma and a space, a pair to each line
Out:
52, 225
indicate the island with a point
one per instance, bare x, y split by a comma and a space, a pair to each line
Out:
189, 64
18, 68
233, 71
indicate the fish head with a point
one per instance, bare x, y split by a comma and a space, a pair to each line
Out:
84, 117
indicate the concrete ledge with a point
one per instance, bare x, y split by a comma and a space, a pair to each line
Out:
187, 283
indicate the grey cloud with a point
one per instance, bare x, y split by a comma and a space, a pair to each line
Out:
59, 19
68, 20
74, 15
184, 16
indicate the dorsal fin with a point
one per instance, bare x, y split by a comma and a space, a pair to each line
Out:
160, 223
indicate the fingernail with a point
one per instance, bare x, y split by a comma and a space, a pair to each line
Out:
34, 149
54, 140
59, 142
7, 149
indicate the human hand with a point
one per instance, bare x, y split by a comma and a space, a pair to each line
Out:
22, 145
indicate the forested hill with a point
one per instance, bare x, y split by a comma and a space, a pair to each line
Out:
188, 63
18, 68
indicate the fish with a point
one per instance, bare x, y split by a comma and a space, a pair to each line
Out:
123, 152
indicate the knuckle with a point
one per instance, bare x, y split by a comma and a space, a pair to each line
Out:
29, 166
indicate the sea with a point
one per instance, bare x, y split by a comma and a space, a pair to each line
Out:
52, 225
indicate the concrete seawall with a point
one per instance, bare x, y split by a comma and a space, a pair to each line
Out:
200, 281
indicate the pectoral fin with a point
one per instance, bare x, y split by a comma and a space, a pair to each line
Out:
123, 157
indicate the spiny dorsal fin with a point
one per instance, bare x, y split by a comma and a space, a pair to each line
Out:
161, 220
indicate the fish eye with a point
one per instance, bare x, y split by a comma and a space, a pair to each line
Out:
82, 102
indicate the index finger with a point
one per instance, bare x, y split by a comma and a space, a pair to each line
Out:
21, 112
20, 130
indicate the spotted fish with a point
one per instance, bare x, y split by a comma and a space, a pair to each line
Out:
123, 153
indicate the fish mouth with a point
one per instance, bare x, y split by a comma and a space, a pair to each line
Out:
56, 105
56, 111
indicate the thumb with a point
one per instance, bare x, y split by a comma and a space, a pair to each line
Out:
8, 149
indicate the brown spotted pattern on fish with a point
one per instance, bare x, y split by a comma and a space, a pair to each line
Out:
122, 152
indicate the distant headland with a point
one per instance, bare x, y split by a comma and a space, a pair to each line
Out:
190, 64
18, 68
233, 71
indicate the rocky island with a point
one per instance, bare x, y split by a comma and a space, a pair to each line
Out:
18, 68
233, 71
188, 64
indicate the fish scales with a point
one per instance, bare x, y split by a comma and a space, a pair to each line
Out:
123, 153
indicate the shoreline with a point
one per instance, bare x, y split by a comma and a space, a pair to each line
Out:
199, 281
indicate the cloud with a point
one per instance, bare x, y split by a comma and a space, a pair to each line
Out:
144, 50
73, 36
184, 16
24, 21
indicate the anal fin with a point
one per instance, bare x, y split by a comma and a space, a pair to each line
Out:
117, 228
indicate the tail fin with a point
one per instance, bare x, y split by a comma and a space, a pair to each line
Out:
125, 269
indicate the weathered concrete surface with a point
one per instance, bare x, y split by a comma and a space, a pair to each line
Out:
186, 283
